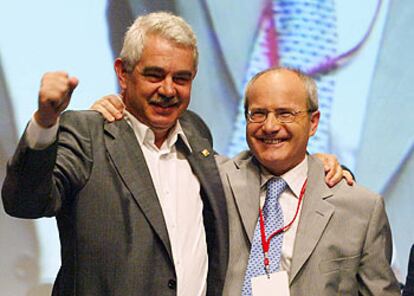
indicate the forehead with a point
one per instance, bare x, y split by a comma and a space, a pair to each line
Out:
164, 53
277, 89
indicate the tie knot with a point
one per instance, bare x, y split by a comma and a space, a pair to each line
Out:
275, 187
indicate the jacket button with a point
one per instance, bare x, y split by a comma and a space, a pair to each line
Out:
172, 284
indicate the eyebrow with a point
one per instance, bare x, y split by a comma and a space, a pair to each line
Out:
182, 73
274, 109
152, 69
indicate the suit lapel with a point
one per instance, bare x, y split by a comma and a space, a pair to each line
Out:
315, 215
204, 166
202, 162
246, 197
128, 159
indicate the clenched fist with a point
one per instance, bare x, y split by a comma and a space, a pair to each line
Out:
54, 96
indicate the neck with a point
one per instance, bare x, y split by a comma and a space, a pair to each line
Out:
160, 137
279, 169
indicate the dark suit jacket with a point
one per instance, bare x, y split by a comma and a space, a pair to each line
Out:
409, 283
113, 236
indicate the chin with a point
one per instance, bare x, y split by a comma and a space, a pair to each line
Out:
273, 153
164, 120
273, 157
161, 126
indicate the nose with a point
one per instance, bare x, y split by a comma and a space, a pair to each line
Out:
167, 88
271, 124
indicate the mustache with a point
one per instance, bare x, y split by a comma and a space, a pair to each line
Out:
165, 101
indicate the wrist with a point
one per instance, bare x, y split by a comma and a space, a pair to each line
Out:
44, 121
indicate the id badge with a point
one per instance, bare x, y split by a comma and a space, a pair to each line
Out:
275, 285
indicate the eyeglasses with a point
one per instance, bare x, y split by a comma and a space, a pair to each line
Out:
282, 115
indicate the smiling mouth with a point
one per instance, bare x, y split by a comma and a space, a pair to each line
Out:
272, 141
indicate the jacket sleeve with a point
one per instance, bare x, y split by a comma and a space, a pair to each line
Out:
375, 275
409, 283
40, 183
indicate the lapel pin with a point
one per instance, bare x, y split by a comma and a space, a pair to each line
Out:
205, 153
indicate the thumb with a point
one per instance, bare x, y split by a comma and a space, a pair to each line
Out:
73, 83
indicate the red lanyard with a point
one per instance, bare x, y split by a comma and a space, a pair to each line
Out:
266, 242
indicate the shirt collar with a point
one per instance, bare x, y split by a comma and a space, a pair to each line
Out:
146, 136
295, 178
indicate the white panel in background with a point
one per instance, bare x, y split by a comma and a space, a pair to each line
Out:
50, 35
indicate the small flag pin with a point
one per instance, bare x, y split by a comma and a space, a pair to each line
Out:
205, 153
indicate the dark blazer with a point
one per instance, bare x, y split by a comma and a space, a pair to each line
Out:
113, 236
409, 283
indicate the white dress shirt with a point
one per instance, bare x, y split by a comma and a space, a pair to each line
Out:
178, 191
295, 178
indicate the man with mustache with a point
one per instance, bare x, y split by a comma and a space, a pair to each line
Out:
139, 202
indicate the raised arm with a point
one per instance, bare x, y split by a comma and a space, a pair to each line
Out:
41, 179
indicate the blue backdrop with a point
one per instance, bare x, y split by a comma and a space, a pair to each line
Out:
366, 101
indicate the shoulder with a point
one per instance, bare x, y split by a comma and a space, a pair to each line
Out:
355, 197
81, 117
194, 125
357, 200
85, 125
357, 193
242, 160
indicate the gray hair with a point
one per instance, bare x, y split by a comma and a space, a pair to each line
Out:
163, 24
308, 82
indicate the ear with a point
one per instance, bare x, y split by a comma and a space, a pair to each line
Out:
195, 72
121, 74
314, 121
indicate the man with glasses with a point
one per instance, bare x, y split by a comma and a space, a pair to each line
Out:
288, 230
334, 240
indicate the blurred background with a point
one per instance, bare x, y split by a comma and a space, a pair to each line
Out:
358, 51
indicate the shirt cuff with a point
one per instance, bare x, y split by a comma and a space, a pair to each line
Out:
38, 137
